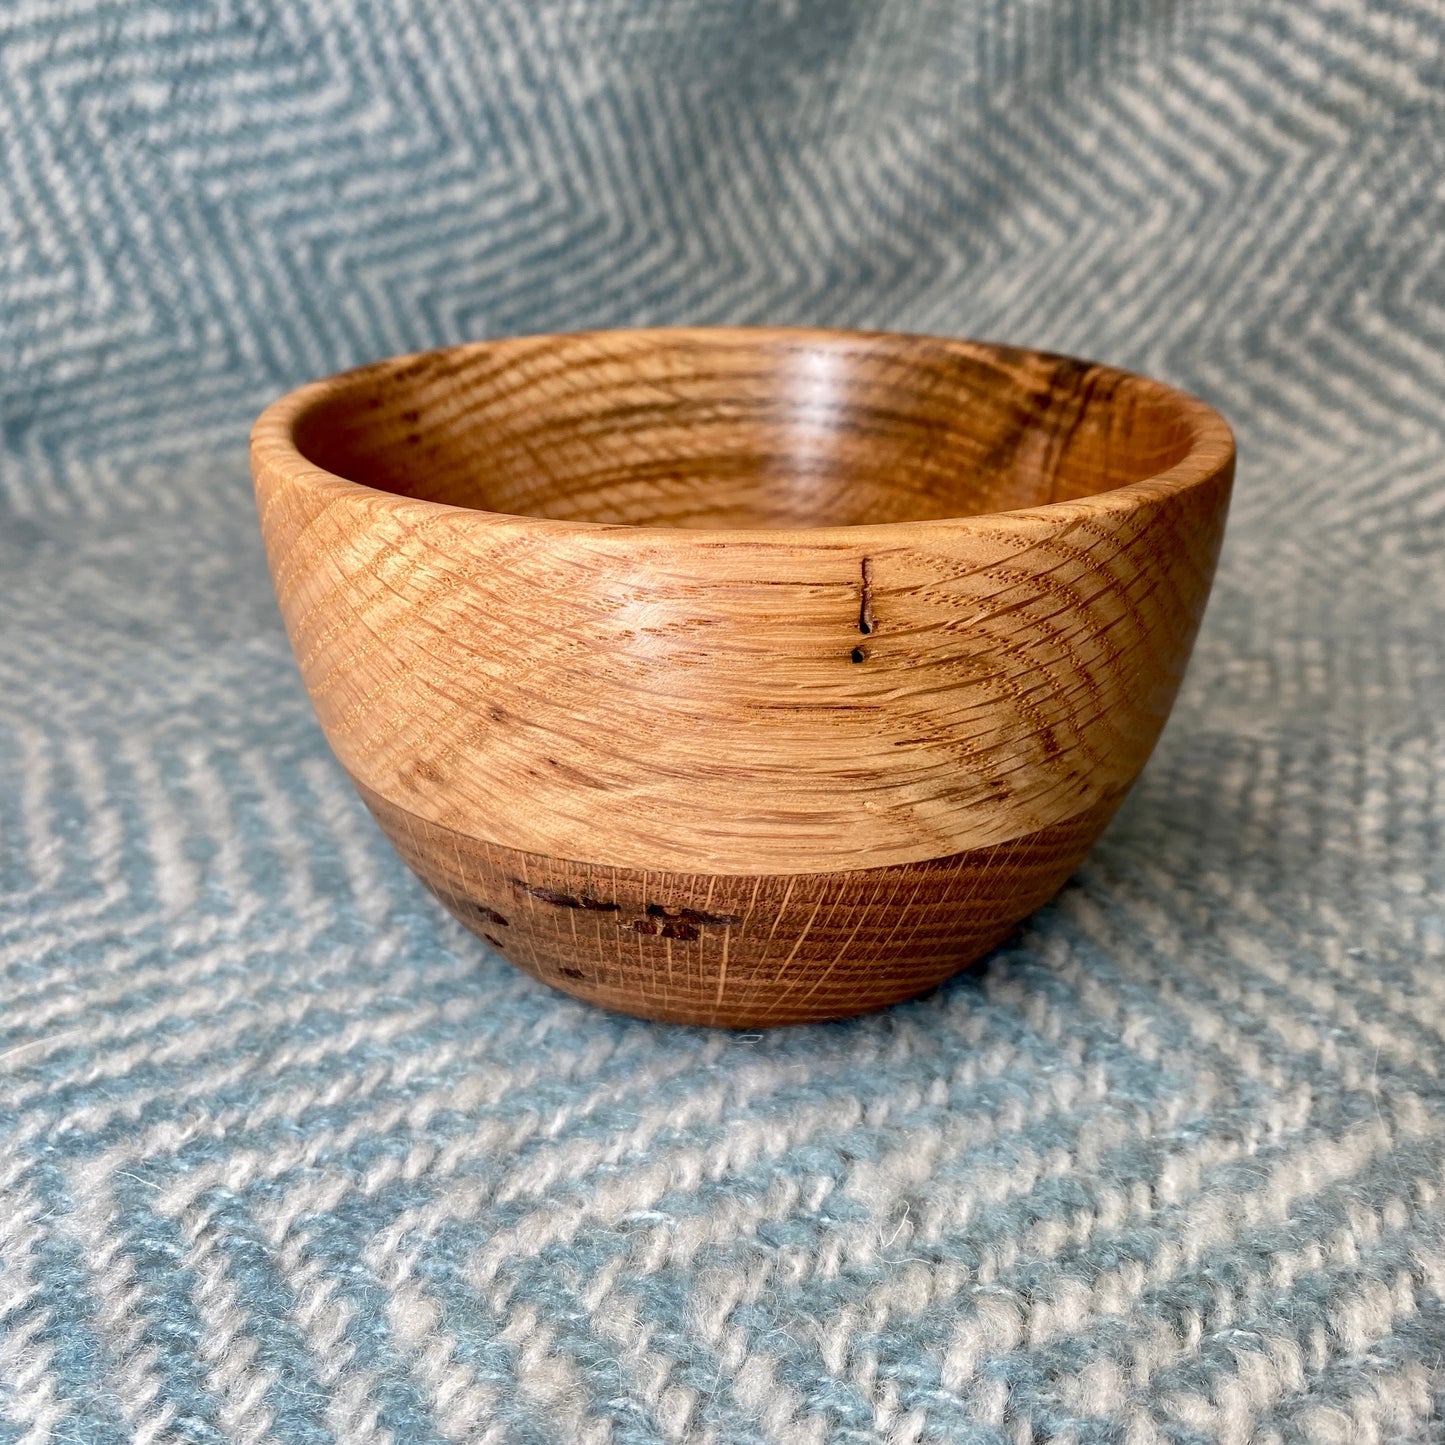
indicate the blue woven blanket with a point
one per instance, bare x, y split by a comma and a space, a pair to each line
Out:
285, 1155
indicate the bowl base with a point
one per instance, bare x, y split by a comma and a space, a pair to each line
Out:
736, 950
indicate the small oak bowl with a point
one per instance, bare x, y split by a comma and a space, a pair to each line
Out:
741, 676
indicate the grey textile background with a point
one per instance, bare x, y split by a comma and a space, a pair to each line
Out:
288, 1156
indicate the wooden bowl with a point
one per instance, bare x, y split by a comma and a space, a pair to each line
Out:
741, 677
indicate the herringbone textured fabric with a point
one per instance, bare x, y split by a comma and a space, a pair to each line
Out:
288, 1156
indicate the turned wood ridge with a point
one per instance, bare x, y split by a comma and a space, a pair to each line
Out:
742, 676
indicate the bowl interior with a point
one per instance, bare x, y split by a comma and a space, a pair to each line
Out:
739, 428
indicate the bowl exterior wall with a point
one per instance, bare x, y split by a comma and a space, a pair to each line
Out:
711, 703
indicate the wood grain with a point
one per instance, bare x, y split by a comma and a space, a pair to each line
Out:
736, 950
742, 604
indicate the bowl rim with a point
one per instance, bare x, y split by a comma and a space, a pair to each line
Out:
273, 447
